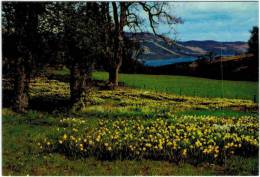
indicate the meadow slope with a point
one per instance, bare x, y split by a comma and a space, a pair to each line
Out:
116, 128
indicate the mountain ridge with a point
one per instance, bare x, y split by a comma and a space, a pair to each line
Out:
155, 48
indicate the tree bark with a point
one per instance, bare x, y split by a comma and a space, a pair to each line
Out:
118, 43
80, 82
74, 84
113, 76
21, 88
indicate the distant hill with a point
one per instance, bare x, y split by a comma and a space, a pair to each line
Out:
156, 48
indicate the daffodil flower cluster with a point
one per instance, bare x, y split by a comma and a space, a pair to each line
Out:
134, 100
204, 138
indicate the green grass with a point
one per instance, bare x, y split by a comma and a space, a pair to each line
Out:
64, 71
21, 156
190, 86
217, 113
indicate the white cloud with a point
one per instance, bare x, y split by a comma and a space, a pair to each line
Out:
222, 21
207, 7
216, 20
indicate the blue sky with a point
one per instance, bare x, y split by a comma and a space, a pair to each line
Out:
220, 21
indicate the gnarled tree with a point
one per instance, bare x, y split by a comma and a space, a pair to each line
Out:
21, 41
128, 14
82, 36
74, 27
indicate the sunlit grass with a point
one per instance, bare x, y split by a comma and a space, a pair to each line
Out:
191, 86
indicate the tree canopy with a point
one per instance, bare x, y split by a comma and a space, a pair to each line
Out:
253, 42
77, 35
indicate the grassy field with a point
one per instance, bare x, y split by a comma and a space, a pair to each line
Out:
31, 141
184, 85
22, 156
190, 86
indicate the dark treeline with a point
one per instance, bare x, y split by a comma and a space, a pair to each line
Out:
245, 69
78, 35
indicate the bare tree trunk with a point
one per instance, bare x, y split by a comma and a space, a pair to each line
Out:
80, 82
74, 84
21, 88
113, 76
118, 43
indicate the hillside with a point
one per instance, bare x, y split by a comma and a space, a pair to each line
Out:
155, 48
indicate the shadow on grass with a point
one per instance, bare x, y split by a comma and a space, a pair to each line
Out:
40, 103
50, 104
7, 98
